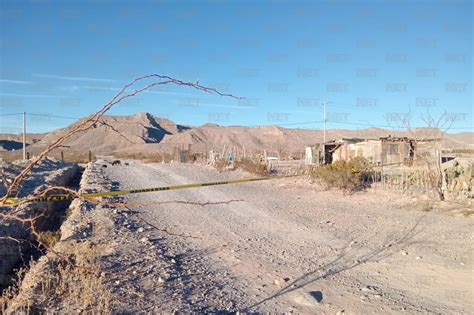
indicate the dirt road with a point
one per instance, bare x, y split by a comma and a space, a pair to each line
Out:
287, 246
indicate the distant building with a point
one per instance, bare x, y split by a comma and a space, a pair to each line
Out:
385, 150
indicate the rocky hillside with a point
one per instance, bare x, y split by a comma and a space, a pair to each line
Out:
145, 133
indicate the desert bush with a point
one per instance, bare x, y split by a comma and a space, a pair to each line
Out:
222, 164
244, 164
250, 166
348, 176
147, 158
50, 238
426, 206
71, 286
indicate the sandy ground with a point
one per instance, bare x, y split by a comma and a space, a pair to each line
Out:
283, 245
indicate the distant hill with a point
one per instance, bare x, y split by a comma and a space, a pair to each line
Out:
9, 142
146, 133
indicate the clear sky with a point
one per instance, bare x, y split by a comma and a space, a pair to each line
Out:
372, 61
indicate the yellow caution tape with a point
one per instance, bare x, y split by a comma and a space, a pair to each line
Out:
63, 197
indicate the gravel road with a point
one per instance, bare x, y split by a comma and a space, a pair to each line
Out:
288, 246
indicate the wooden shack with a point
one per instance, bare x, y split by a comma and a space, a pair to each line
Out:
385, 150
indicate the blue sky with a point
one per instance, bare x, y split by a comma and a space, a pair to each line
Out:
373, 61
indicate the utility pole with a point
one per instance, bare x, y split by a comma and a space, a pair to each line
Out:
24, 135
324, 118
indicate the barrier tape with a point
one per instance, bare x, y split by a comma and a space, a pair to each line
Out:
64, 197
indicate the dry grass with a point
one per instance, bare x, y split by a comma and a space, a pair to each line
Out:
50, 238
69, 156
77, 286
222, 164
345, 175
244, 164
147, 158
426, 206
252, 167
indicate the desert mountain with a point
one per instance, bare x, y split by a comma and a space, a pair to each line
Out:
9, 142
115, 132
146, 133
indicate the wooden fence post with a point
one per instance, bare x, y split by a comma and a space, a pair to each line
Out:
62, 156
90, 156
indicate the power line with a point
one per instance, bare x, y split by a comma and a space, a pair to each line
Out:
12, 114
276, 124
387, 126
52, 116
43, 115
297, 123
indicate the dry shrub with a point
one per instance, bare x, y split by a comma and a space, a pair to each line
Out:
147, 158
252, 167
50, 238
426, 206
77, 157
77, 286
345, 175
244, 164
8, 295
222, 164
